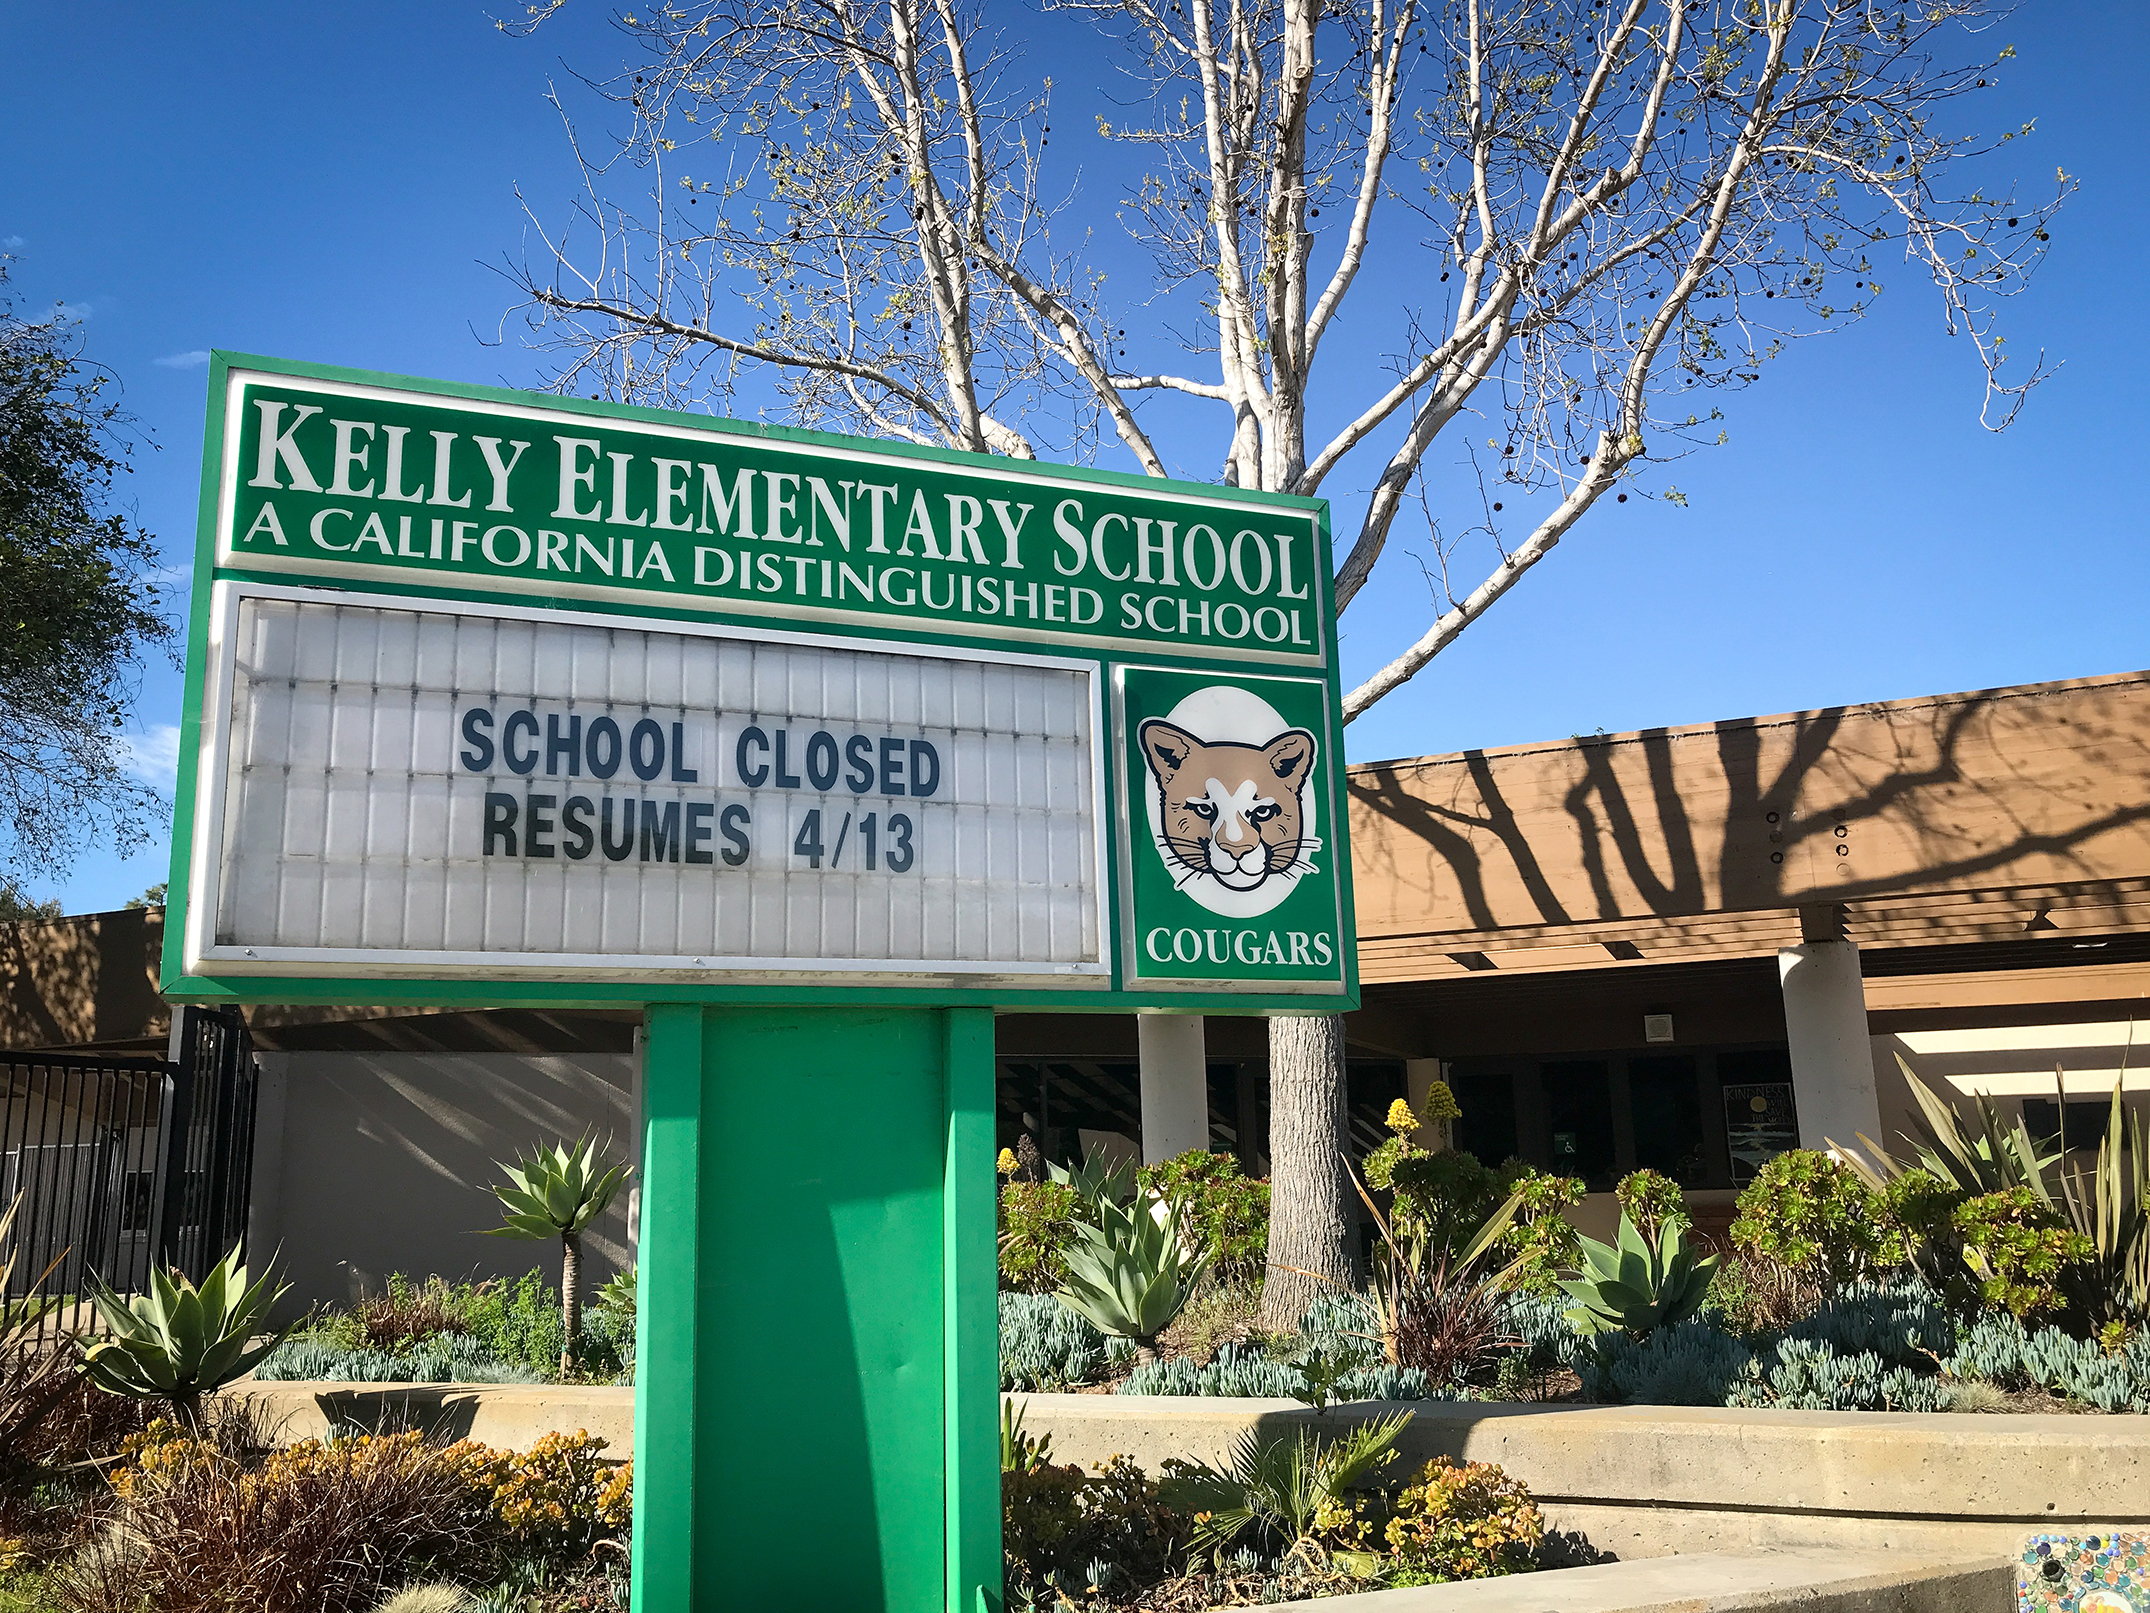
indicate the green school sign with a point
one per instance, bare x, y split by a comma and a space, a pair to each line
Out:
820, 750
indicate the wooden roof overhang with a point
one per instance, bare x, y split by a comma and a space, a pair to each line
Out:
1950, 822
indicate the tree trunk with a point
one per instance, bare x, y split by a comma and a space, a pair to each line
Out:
1308, 1224
570, 1300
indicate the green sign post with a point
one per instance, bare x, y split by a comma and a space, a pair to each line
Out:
818, 750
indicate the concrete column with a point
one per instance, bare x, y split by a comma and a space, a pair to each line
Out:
1825, 1023
1175, 1085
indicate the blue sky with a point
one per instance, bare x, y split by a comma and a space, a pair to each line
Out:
329, 184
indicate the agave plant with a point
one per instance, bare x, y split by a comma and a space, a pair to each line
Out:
556, 1192
1131, 1273
1633, 1286
178, 1342
1095, 1182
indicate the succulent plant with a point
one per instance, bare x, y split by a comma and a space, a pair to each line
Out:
556, 1192
1634, 1287
178, 1342
1096, 1182
1131, 1273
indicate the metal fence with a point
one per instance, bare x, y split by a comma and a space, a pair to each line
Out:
118, 1165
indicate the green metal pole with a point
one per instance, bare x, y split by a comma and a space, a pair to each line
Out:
668, 1312
816, 1417
971, 1283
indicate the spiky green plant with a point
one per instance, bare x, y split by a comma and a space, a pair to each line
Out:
178, 1342
556, 1192
1021, 1452
1131, 1273
1634, 1286
1095, 1182
2112, 1210
1432, 1309
1995, 1157
1277, 1484
36, 1372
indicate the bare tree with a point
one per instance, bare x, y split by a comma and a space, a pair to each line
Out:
1609, 211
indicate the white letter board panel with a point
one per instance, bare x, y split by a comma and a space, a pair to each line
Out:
430, 786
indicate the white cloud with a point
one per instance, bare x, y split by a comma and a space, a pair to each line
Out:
193, 360
154, 757
12, 242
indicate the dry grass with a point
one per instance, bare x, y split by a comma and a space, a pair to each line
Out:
1221, 1312
319, 1528
405, 1313
1756, 1294
1976, 1396
84, 1425
1196, 1593
36, 1376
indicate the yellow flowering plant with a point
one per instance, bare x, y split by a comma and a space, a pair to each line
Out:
1461, 1521
157, 1454
1468, 1521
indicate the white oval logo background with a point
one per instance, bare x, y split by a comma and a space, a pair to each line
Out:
1222, 714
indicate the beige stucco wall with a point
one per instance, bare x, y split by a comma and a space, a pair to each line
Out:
380, 1162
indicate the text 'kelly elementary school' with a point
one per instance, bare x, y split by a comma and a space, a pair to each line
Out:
761, 523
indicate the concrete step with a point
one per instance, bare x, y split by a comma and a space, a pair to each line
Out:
1808, 1581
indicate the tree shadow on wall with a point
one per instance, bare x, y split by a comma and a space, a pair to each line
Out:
1684, 819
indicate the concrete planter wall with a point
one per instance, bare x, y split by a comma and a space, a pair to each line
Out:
1649, 1481
1630, 1481
507, 1416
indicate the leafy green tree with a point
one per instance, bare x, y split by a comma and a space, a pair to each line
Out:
17, 903
79, 602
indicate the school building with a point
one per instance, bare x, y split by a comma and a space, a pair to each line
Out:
1684, 948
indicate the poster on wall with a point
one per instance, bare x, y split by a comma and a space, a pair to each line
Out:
1760, 1122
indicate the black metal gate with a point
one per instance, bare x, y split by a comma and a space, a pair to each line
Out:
208, 1164
122, 1164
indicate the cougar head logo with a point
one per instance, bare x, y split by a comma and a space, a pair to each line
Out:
1230, 812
